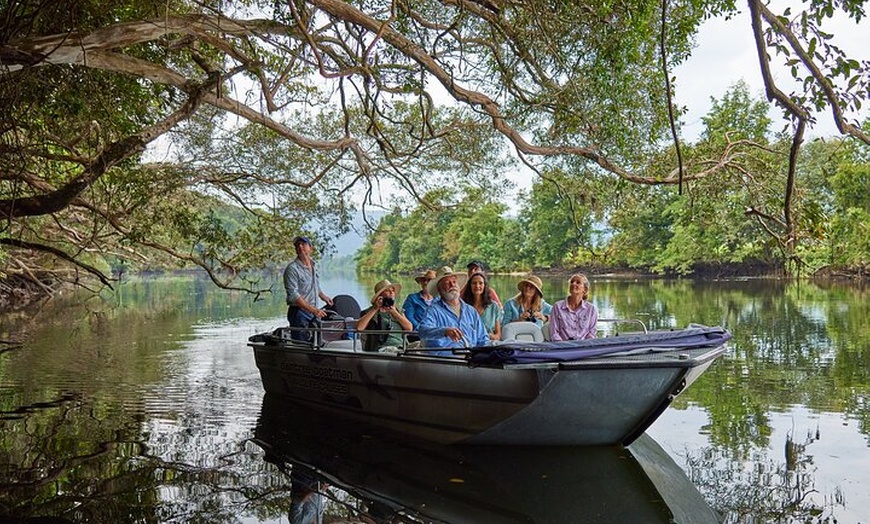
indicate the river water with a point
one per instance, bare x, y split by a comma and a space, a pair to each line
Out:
144, 405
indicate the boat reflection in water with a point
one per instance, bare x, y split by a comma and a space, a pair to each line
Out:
388, 478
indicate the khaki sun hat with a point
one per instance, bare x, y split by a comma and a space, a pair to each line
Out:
384, 285
534, 281
425, 275
442, 273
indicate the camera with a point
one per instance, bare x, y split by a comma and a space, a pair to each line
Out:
531, 315
387, 302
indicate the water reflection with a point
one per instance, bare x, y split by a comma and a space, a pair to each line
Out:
138, 409
339, 468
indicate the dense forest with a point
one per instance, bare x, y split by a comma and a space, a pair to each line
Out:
577, 217
198, 134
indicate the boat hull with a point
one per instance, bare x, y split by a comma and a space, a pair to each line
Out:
597, 401
427, 482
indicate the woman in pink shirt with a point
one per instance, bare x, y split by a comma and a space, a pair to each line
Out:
575, 317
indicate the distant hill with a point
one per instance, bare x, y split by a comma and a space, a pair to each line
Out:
347, 244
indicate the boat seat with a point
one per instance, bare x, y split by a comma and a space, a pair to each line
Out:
545, 331
345, 306
523, 331
349, 345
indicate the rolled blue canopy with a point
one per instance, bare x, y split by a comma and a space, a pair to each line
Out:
571, 350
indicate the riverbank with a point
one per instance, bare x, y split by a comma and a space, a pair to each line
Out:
711, 272
18, 292
703, 272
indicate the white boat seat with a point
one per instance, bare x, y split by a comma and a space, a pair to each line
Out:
545, 330
349, 345
524, 331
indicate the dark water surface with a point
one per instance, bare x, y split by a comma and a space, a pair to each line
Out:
146, 406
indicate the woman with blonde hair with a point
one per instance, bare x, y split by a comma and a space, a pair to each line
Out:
528, 305
574, 318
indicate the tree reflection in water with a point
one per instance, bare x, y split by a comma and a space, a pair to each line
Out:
53, 465
142, 413
769, 491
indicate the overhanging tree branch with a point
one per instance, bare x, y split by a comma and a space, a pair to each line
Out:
57, 253
112, 155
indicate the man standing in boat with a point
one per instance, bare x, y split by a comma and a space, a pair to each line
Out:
449, 322
302, 283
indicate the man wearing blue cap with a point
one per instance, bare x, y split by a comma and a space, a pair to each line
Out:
302, 283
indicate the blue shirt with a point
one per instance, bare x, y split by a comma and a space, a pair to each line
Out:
440, 316
490, 316
415, 307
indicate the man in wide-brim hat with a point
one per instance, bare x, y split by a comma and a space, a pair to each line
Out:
449, 322
416, 304
445, 272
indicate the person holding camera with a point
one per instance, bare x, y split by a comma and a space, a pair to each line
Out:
528, 305
384, 319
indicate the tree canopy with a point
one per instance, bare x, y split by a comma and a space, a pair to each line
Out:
280, 117
719, 225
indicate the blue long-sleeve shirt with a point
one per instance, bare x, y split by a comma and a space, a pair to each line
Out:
440, 316
415, 307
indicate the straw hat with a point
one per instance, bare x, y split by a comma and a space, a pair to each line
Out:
382, 286
427, 275
442, 273
534, 281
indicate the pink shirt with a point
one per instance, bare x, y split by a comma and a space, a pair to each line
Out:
573, 325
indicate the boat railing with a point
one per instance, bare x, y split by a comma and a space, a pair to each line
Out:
408, 347
342, 334
338, 335
617, 321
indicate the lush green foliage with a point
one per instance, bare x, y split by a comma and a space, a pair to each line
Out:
269, 119
577, 218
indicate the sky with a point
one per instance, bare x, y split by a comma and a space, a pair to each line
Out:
725, 54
